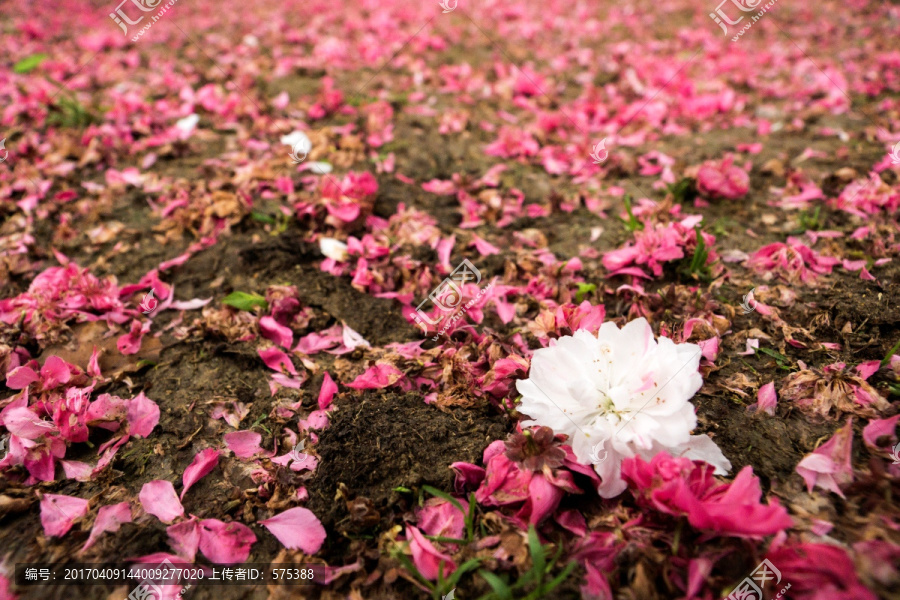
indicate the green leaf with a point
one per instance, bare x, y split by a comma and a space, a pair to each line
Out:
263, 218
464, 568
584, 288
245, 301
536, 550
498, 585
632, 224
891, 352
29, 63
560, 578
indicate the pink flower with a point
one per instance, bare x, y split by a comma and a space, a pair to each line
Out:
428, 560
722, 179
527, 470
512, 142
656, 245
679, 486
793, 262
828, 466
819, 572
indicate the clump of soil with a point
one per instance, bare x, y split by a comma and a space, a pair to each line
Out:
379, 442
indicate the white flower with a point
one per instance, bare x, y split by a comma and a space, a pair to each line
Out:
621, 387
333, 249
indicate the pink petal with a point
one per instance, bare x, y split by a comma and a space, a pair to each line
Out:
272, 330
766, 398
244, 444
109, 519
297, 528
426, 557
441, 518
327, 391
143, 415
879, 428
75, 469
55, 372
184, 538
25, 423
20, 378
225, 543
59, 513
544, 498
277, 360
867, 369
158, 498
380, 375
203, 463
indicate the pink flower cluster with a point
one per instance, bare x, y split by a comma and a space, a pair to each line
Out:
531, 471
681, 487
792, 262
722, 179
54, 408
656, 245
